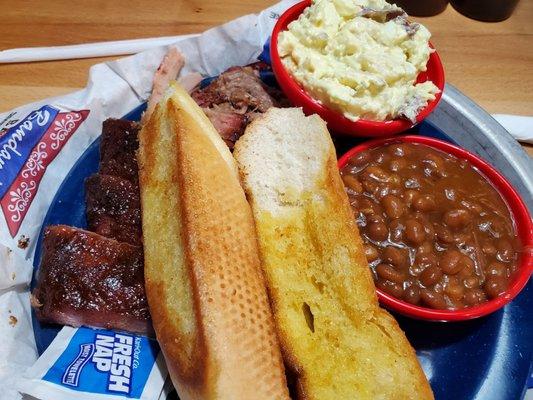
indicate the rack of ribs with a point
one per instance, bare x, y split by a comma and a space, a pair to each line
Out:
97, 278
87, 279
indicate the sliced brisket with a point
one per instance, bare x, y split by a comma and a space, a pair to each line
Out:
232, 100
229, 124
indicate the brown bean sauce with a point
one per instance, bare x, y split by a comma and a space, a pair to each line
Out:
436, 233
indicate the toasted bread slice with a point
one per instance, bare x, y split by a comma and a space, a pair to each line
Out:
336, 340
203, 276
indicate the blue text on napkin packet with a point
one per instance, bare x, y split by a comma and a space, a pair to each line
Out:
95, 363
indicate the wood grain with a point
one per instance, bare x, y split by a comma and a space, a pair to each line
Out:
490, 62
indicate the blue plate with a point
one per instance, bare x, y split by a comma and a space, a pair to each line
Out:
484, 359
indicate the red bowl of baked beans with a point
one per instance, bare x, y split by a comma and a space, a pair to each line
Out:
446, 236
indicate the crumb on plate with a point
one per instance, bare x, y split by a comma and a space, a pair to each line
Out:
13, 320
23, 242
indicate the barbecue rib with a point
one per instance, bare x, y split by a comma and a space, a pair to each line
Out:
113, 208
87, 279
117, 149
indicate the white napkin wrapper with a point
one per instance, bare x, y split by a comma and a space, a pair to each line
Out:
39, 144
87, 364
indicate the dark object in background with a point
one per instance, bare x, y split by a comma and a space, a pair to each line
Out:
422, 8
485, 10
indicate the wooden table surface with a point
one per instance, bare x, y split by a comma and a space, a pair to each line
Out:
490, 62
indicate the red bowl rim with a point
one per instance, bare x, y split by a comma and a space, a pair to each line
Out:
517, 207
377, 128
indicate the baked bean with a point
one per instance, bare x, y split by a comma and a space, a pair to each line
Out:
396, 229
375, 218
451, 262
377, 174
424, 203
454, 290
424, 261
511, 269
473, 207
485, 225
434, 166
371, 253
468, 263
415, 270
414, 232
505, 250
467, 271
381, 157
377, 231
397, 164
463, 240
412, 182
435, 160
399, 150
360, 159
457, 219
433, 299
396, 257
412, 294
494, 286
388, 273
424, 248
352, 183
444, 236
392, 288
409, 196
455, 304
489, 249
431, 275
450, 194
395, 180
430, 231
438, 287
396, 191
471, 282
496, 269
474, 297
367, 207
393, 206
370, 186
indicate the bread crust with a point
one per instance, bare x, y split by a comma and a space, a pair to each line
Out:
217, 333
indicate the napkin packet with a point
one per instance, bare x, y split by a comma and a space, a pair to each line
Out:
86, 364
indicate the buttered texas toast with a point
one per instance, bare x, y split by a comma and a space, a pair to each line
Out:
336, 340
203, 278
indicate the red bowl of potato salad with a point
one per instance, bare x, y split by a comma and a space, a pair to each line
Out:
365, 72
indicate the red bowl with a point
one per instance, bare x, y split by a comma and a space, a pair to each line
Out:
337, 122
519, 212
